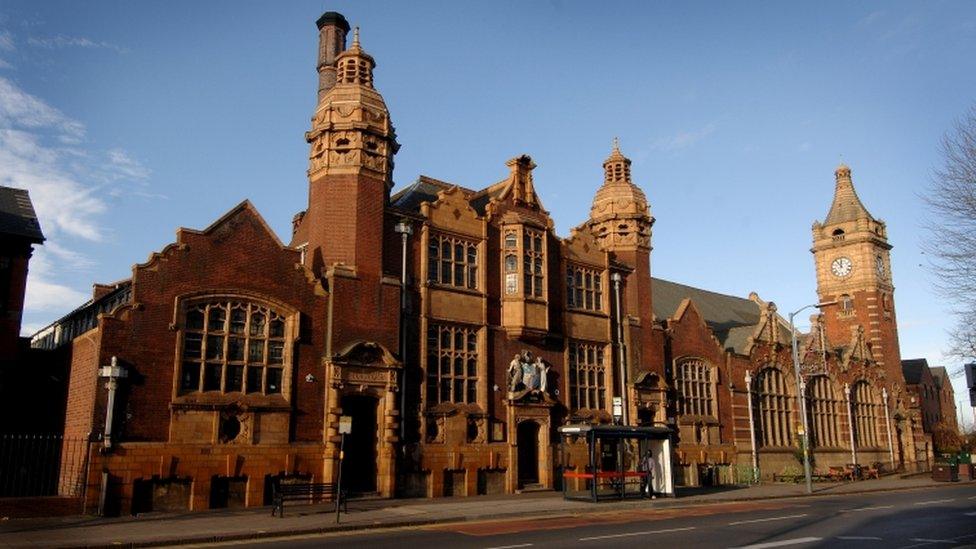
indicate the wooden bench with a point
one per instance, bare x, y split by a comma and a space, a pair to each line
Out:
304, 492
788, 477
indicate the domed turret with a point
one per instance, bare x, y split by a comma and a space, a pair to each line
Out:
620, 215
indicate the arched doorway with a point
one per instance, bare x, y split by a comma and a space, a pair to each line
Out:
359, 461
528, 453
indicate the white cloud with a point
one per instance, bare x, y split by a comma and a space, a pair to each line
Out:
124, 166
44, 151
61, 41
6, 41
683, 140
44, 294
19, 109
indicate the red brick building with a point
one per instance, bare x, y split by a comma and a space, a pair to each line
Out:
458, 331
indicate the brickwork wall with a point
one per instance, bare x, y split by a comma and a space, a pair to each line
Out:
130, 462
83, 385
252, 263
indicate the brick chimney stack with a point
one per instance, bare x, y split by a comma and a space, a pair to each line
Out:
333, 28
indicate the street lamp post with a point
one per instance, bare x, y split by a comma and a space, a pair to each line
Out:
801, 393
850, 424
403, 229
891, 449
621, 356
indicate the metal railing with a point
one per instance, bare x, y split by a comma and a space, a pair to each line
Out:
42, 465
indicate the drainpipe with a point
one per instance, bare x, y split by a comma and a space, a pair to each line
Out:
113, 374
621, 360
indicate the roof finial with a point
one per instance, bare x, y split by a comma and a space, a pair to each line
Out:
616, 144
355, 36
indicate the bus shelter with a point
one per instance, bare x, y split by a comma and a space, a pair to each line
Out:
615, 464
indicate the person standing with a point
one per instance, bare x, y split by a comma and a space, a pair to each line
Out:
647, 465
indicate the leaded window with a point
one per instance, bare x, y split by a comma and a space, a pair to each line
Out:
824, 413
452, 261
452, 364
866, 413
584, 288
775, 414
587, 376
232, 347
693, 380
533, 257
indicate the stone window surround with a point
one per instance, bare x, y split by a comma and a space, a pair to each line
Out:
466, 353
825, 412
866, 410
576, 391
774, 409
523, 261
695, 382
185, 302
585, 288
469, 270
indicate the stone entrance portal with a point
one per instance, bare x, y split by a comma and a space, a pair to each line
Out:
359, 465
528, 454
363, 383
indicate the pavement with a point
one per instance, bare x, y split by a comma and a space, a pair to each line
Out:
157, 529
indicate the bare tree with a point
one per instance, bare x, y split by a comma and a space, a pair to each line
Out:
951, 243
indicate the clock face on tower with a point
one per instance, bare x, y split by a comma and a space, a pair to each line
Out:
841, 267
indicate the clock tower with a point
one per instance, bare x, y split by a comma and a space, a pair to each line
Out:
852, 256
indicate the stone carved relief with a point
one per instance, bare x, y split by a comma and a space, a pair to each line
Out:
528, 377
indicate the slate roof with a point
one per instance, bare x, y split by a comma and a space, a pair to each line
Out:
17, 215
732, 319
912, 369
940, 374
425, 189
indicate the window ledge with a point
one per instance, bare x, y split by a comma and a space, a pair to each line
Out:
451, 288
214, 401
587, 312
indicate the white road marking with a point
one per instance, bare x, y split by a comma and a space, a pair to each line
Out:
926, 540
766, 520
934, 501
510, 546
785, 542
866, 509
871, 538
633, 534
971, 497
973, 514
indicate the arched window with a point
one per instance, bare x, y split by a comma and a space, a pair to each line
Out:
233, 346
695, 385
774, 407
866, 413
846, 303
823, 413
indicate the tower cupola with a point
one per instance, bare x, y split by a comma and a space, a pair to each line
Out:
355, 66
620, 215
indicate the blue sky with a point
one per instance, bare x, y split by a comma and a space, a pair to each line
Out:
126, 120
